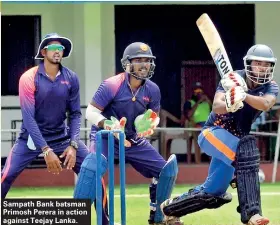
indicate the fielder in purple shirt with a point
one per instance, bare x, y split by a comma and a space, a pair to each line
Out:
130, 101
47, 92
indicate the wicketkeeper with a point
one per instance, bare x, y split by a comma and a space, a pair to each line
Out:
130, 101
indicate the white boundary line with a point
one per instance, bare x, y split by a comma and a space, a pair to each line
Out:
135, 195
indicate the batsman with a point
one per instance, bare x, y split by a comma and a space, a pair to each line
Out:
240, 98
130, 101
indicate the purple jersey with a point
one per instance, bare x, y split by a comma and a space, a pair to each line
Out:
44, 104
239, 123
114, 97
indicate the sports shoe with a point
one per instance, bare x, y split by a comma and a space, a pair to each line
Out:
257, 219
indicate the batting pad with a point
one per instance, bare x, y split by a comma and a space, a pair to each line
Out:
86, 183
248, 185
194, 201
165, 184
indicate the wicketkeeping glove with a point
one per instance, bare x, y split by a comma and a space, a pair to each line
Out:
146, 123
115, 124
234, 99
232, 80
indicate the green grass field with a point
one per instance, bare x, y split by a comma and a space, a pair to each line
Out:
137, 202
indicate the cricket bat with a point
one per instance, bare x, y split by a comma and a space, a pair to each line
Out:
214, 43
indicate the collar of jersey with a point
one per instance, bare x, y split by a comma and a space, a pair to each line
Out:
41, 70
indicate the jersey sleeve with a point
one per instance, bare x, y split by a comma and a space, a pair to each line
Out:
107, 90
273, 89
220, 88
27, 103
103, 95
155, 99
75, 109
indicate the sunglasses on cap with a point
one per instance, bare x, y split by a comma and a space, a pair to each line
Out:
54, 47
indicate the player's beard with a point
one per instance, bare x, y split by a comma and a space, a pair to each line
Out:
54, 59
259, 78
142, 73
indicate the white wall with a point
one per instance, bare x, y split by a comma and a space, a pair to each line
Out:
267, 30
46, 11
99, 45
91, 28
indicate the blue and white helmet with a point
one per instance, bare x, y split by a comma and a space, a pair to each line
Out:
259, 53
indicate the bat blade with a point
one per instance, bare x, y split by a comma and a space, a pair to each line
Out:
215, 44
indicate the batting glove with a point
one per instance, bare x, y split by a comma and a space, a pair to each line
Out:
233, 80
234, 99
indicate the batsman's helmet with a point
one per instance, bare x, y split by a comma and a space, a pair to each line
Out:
259, 53
138, 50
